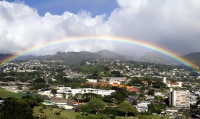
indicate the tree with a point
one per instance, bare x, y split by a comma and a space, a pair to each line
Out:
96, 105
110, 111
115, 74
125, 108
134, 81
158, 84
13, 108
39, 80
31, 100
151, 92
39, 98
84, 109
156, 108
159, 99
119, 96
54, 91
78, 97
90, 96
107, 99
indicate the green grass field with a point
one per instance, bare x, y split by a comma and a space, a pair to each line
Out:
146, 117
6, 94
50, 113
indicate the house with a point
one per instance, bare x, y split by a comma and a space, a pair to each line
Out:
132, 89
92, 80
142, 106
92, 90
59, 95
193, 99
63, 89
62, 103
144, 82
47, 93
171, 111
172, 84
159, 94
143, 103
116, 80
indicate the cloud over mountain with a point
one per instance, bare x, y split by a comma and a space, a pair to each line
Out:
174, 26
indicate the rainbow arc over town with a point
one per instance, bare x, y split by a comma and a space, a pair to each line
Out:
103, 38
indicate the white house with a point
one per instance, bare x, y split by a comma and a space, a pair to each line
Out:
116, 80
68, 90
63, 89
47, 93
91, 90
143, 103
92, 80
142, 106
172, 84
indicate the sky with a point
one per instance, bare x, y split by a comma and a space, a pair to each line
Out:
174, 26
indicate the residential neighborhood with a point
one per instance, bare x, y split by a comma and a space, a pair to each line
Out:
151, 89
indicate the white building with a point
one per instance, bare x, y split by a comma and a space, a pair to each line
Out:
67, 90
92, 90
143, 106
179, 98
172, 84
92, 80
47, 93
63, 89
116, 80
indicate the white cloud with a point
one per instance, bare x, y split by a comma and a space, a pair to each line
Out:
169, 24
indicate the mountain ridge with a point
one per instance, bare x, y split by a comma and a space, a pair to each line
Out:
73, 57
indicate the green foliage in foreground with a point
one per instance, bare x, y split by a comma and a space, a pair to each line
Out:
14, 108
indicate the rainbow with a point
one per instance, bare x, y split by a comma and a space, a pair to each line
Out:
102, 38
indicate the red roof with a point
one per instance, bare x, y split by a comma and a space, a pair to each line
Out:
133, 90
173, 83
144, 82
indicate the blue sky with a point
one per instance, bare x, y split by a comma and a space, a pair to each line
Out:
58, 7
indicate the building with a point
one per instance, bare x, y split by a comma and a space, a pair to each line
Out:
179, 98
61, 90
92, 80
172, 84
117, 80
143, 106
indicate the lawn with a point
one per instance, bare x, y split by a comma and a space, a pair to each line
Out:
118, 117
6, 94
50, 113
145, 117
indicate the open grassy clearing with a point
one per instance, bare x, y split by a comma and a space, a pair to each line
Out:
146, 117
6, 94
54, 113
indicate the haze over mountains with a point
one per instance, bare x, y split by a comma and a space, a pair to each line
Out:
77, 57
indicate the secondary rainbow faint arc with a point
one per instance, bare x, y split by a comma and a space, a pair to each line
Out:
102, 38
